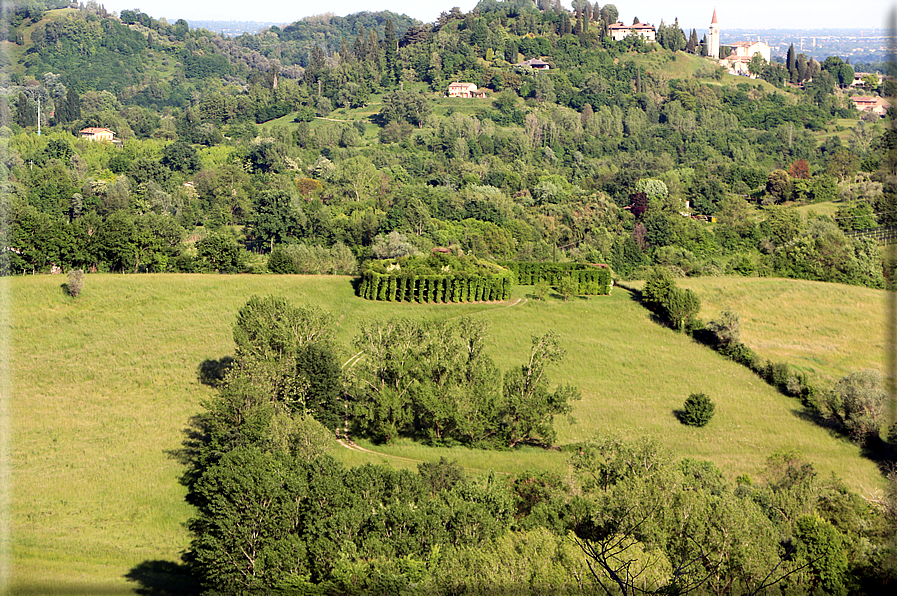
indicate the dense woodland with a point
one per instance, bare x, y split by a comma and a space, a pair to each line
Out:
328, 146
592, 161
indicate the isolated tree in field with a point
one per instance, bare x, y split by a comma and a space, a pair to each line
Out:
74, 282
697, 410
567, 287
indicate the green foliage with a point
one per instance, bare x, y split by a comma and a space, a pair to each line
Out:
434, 381
697, 410
530, 407
438, 277
681, 307
821, 546
220, 252
590, 279
74, 282
857, 404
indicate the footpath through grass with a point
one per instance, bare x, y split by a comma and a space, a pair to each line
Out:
104, 385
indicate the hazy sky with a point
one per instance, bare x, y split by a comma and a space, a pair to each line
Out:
768, 14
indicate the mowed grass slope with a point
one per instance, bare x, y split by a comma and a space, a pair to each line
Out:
104, 385
827, 330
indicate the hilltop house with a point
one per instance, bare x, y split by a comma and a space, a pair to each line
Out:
619, 31
874, 105
97, 134
465, 90
535, 64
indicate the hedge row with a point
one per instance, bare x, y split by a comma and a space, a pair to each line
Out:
592, 279
434, 288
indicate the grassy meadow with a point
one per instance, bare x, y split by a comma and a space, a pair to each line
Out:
826, 330
104, 385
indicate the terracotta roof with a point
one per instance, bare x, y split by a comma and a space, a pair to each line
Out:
636, 26
713, 22
463, 85
91, 130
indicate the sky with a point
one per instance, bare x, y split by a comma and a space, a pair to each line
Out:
758, 14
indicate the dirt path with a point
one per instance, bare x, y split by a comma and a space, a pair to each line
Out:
350, 445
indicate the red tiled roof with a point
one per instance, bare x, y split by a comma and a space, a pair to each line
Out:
636, 26
91, 130
713, 22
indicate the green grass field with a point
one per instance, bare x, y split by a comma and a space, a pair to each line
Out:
103, 386
827, 330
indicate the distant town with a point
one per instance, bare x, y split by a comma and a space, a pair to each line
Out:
859, 45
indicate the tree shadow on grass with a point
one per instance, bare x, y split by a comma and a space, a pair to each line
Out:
163, 578
212, 372
196, 437
680, 415
880, 452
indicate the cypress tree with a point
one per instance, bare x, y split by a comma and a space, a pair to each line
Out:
791, 62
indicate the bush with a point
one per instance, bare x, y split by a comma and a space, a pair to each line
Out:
280, 262
75, 282
857, 404
697, 410
681, 307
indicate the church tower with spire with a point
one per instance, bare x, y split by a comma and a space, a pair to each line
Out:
713, 38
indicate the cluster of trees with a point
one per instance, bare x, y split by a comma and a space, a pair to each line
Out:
429, 381
274, 512
434, 381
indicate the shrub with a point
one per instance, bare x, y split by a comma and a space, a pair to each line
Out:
280, 262
697, 410
657, 287
726, 330
681, 307
75, 282
857, 403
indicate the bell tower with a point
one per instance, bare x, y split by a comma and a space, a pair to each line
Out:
713, 38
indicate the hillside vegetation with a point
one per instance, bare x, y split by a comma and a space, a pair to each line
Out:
106, 384
329, 148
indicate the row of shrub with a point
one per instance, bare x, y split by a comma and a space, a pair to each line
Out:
407, 287
591, 279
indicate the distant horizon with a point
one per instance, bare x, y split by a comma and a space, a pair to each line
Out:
827, 14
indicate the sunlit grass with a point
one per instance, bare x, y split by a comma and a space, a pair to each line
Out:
105, 384
827, 330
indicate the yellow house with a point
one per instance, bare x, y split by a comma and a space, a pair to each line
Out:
97, 134
465, 90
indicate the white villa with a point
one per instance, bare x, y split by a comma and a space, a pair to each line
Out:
619, 31
741, 51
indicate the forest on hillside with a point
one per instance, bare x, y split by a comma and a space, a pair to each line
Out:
608, 157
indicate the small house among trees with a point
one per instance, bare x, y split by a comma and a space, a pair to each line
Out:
535, 64
97, 134
465, 90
